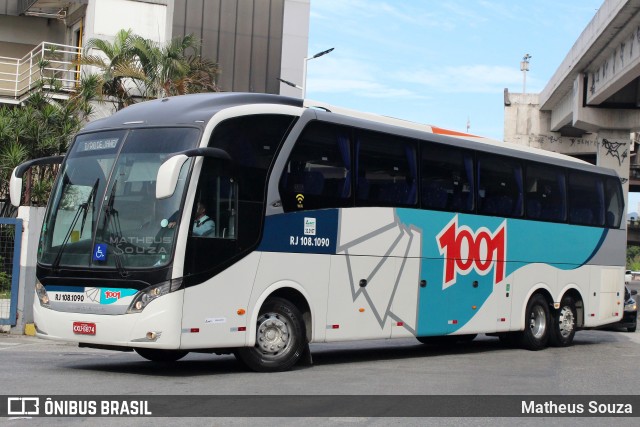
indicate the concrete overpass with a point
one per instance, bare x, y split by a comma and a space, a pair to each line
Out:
590, 108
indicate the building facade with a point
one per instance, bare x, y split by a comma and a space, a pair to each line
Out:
254, 41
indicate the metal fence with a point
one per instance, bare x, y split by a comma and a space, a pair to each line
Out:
46, 62
10, 241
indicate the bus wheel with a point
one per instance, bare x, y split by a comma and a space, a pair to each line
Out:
156, 355
564, 324
536, 328
279, 338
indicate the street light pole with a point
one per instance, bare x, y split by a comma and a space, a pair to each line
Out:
304, 69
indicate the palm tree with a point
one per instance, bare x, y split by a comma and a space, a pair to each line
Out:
118, 66
154, 70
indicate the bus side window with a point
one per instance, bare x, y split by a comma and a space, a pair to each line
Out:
586, 199
447, 178
318, 173
500, 191
545, 193
387, 170
614, 202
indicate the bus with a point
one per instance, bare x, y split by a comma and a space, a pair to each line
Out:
326, 225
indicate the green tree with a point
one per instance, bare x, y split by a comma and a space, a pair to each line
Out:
133, 66
43, 126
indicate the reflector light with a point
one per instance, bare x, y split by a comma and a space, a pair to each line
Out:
194, 330
502, 319
361, 310
242, 328
400, 323
615, 314
473, 307
452, 322
241, 311
593, 315
335, 326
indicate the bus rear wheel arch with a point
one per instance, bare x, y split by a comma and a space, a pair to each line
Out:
280, 338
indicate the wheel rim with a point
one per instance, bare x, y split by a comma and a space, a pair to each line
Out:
274, 335
566, 322
537, 322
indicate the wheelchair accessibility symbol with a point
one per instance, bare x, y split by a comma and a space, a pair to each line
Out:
100, 252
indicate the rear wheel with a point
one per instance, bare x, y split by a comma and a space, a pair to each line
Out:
537, 324
156, 355
564, 324
280, 338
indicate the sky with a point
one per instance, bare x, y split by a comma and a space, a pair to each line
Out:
440, 62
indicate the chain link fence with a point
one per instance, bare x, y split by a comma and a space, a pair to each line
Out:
10, 238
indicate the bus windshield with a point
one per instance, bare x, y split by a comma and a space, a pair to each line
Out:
103, 212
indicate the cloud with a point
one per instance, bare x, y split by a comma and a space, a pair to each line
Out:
465, 78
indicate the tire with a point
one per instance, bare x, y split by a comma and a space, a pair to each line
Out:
564, 323
156, 355
280, 338
537, 324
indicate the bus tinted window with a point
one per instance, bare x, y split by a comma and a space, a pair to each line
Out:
614, 202
252, 142
318, 173
386, 170
586, 199
447, 178
499, 186
545, 193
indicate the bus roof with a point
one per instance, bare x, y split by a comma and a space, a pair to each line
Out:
198, 109
194, 109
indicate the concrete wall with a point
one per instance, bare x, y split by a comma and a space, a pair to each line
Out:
253, 41
19, 34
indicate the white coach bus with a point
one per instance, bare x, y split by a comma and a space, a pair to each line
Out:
253, 224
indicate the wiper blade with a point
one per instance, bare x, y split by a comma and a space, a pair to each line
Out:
111, 224
82, 207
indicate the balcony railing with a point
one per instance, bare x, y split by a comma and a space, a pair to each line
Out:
46, 63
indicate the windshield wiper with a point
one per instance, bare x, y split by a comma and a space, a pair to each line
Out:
111, 224
82, 207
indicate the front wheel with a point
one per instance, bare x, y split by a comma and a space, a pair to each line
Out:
536, 329
156, 355
564, 324
280, 338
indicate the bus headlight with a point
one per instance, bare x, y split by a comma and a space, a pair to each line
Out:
145, 296
41, 292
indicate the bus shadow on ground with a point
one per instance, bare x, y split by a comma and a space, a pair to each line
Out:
201, 364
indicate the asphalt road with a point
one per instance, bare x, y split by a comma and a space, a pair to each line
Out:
600, 362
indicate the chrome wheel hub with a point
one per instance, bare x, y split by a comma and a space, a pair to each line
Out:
273, 336
538, 322
566, 321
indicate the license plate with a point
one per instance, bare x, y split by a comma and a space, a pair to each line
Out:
84, 328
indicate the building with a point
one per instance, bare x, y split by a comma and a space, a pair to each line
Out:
254, 41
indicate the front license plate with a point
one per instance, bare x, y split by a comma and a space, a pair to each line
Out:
84, 328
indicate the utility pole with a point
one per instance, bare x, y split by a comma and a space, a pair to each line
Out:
524, 67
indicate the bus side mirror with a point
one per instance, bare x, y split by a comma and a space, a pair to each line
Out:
168, 174
15, 183
15, 189
169, 171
